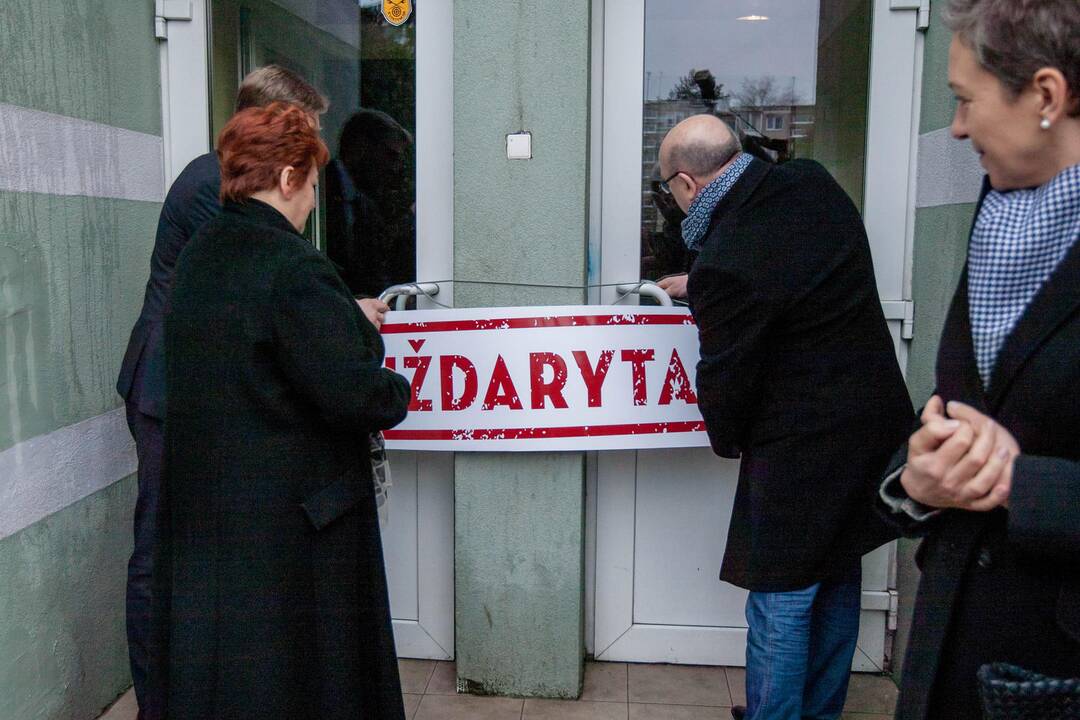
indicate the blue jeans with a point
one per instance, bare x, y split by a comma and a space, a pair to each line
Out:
799, 648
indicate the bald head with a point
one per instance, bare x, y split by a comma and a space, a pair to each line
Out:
700, 145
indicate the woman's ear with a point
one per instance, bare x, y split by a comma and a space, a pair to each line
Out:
1053, 90
285, 184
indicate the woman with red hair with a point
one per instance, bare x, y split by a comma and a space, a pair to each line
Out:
271, 601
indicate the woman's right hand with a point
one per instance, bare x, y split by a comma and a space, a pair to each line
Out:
374, 310
961, 462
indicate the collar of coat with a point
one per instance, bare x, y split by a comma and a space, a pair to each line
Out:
259, 212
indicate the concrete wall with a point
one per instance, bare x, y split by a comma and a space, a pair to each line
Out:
520, 238
80, 188
949, 179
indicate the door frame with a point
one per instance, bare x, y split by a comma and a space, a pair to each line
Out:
185, 94
615, 175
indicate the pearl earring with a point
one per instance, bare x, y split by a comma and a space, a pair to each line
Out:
1045, 124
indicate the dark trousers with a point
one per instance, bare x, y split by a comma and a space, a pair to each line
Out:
149, 447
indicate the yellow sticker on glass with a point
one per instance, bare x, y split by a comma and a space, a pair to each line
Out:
396, 12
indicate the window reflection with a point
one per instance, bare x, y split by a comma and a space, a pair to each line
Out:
789, 76
366, 66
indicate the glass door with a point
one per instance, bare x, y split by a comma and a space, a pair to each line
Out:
366, 217
828, 80
385, 141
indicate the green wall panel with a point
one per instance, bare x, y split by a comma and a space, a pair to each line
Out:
72, 273
522, 66
62, 610
520, 238
937, 99
940, 250
91, 59
492, 295
519, 548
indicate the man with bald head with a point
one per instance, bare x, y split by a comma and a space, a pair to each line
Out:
798, 377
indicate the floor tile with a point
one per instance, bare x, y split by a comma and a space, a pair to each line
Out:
125, 708
411, 703
678, 685
641, 711
605, 681
736, 682
871, 694
573, 710
415, 675
468, 707
444, 680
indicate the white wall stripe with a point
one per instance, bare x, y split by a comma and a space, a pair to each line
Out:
949, 171
45, 474
47, 153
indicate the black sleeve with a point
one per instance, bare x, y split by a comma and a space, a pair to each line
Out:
733, 314
1044, 507
330, 351
192, 201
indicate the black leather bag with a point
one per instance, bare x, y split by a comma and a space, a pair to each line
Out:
1009, 692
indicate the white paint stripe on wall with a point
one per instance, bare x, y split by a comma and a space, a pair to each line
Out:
45, 474
949, 171
58, 155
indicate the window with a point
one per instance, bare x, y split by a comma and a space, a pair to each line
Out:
774, 122
366, 217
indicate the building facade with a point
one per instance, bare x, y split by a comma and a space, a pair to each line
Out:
516, 565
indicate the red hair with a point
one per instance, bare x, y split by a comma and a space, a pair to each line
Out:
259, 142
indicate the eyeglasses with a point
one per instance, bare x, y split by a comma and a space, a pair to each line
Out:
664, 183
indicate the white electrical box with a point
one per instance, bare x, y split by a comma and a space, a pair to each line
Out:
519, 146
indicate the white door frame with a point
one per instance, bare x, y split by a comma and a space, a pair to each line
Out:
185, 93
185, 90
617, 70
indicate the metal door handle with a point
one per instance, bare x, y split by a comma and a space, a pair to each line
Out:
402, 292
647, 288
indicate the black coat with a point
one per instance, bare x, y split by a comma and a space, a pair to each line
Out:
797, 373
1005, 585
192, 200
271, 597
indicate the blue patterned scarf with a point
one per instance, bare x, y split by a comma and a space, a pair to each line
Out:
701, 210
1019, 238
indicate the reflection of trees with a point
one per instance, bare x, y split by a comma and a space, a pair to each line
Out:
685, 88
764, 91
698, 85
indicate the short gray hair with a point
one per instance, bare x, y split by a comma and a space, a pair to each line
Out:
701, 156
1013, 39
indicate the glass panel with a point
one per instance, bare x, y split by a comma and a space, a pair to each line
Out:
367, 68
790, 76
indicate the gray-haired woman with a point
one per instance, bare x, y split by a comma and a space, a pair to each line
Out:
992, 479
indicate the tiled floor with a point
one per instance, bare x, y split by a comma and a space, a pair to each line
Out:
613, 691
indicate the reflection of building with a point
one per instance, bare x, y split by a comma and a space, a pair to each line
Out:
780, 122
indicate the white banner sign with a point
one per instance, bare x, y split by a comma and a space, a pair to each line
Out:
546, 378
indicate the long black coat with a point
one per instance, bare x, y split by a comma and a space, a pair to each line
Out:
271, 598
797, 373
1005, 585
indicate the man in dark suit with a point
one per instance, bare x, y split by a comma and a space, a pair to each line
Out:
798, 376
191, 201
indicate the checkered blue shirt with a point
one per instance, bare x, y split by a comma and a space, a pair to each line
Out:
1020, 237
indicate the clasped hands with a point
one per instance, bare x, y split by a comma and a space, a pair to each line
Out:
959, 458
